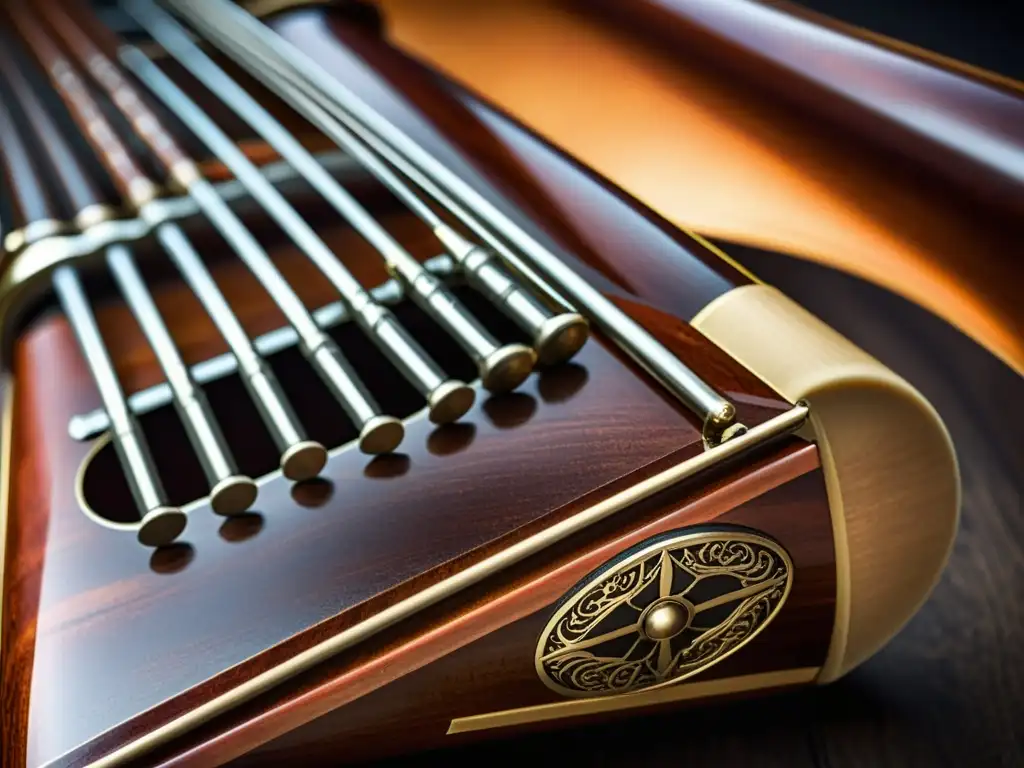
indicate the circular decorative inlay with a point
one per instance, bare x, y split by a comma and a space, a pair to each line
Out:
666, 610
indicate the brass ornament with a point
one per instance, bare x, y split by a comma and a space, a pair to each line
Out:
678, 604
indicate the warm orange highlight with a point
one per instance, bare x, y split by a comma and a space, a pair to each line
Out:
711, 155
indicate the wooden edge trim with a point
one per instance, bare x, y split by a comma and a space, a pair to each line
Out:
904, 48
683, 692
6, 461
890, 469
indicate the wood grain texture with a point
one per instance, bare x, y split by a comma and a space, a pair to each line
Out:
497, 671
158, 634
759, 735
368, 705
949, 689
836, 75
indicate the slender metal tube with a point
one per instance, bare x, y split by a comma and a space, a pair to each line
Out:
477, 213
556, 336
301, 458
502, 368
161, 522
378, 433
230, 492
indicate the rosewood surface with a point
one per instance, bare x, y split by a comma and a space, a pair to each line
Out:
99, 632
863, 86
97, 629
496, 672
474, 654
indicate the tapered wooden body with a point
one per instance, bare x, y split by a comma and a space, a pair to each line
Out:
230, 646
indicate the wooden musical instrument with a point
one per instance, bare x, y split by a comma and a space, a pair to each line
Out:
348, 417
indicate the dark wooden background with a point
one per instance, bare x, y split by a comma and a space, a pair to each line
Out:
949, 690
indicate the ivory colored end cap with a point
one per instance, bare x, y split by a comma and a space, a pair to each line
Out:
887, 460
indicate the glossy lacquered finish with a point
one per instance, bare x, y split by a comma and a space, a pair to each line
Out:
98, 630
704, 128
104, 641
958, 123
582, 218
401, 692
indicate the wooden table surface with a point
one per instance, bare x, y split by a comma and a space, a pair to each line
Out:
949, 689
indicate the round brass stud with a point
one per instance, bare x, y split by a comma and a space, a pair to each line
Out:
665, 619
233, 495
303, 461
506, 368
560, 337
381, 434
450, 402
161, 526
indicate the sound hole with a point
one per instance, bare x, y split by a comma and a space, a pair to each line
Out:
104, 491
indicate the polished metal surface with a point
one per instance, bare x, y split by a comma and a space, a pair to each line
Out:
301, 458
86, 426
557, 336
32, 232
669, 609
316, 346
25, 278
378, 323
231, 493
502, 368
474, 210
161, 522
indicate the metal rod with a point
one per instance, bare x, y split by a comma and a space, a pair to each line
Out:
301, 458
379, 433
230, 492
717, 413
502, 368
556, 336
161, 522
85, 426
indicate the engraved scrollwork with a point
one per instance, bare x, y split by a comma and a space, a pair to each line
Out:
664, 613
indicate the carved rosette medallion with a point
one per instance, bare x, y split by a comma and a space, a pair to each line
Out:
669, 608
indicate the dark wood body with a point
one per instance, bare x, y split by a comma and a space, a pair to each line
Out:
104, 641
872, 90
586, 220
